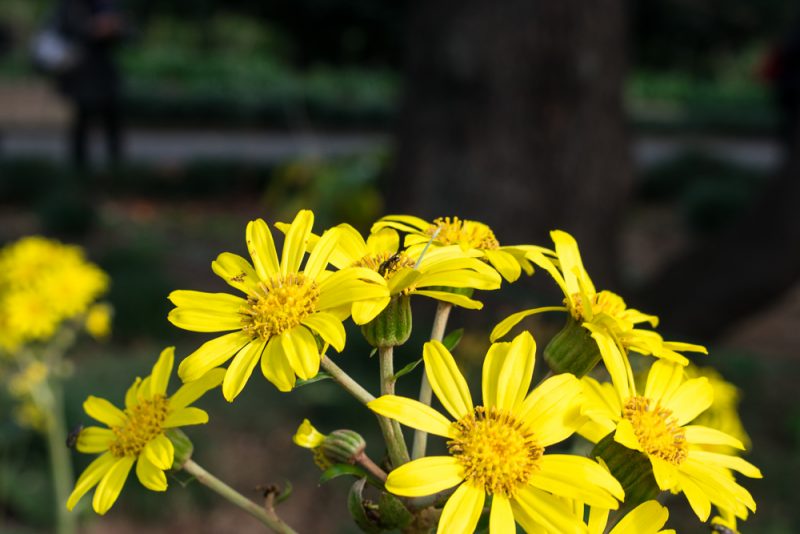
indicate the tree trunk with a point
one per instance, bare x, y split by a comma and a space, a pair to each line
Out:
513, 116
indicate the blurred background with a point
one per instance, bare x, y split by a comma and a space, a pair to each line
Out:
662, 134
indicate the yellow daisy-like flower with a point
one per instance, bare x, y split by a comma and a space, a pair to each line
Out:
498, 448
604, 314
42, 284
284, 308
509, 261
647, 518
412, 272
136, 435
656, 424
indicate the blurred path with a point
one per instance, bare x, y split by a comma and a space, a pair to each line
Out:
175, 146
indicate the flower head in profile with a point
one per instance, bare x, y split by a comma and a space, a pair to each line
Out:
417, 271
137, 434
604, 314
469, 235
43, 283
310, 438
285, 306
656, 423
499, 448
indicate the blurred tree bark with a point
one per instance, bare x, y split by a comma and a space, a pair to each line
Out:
513, 116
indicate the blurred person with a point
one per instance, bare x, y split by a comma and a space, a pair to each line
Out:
5, 47
93, 84
781, 68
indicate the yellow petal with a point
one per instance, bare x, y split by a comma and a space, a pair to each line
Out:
690, 399
412, 413
507, 372
94, 439
425, 476
404, 223
159, 377
552, 409
346, 286
663, 380
212, 302
150, 476
197, 320
625, 435
90, 477
301, 351
665, 473
571, 264
307, 436
727, 461
452, 298
506, 265
698, 500
647, 518
262, 249
504, 326
502, 517
296, 242
463, 510
579, 478
103, 411
275, 365
548, 264
236, 271
131, 396
402, 279
446, 380
460, 278
211, 354
366, 310
186, 417
160, 451
350, 247
191, 391
329, 328
111, 484
241, 368
537, 510
617, 364
319, 257
384, 240
710, 436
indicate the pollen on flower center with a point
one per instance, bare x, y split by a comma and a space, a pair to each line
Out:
605, 302
657, 430
456, 232
279, 305
144, 422
384, 263
497, 452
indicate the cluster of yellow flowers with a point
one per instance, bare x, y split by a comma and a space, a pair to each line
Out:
501, 453
42, 284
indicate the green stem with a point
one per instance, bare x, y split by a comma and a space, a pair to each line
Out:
425, 392
351, 386
398, 453
266, 515
60, 461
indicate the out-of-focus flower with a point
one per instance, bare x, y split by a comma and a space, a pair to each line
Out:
98, 321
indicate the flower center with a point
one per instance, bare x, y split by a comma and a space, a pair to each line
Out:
145, 422
657, 430
279, 305
458, 232
384, 263
605, 302
497, 452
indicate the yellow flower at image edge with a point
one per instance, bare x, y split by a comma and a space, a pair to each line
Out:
283, 309
137, 434
499, 448
656, 424
647, 518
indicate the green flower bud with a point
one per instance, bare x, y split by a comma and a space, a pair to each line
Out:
572, 350
631, 468
183, 447
343, 446
392, 327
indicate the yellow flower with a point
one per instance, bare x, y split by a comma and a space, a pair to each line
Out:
137, 434
98, 321
499, 448
724, 523
647, 518
43, 283
655, 423
412, 272
604, 314
309, 437
509, 261
283, 309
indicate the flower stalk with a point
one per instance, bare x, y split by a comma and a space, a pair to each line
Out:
392, 433
265, 514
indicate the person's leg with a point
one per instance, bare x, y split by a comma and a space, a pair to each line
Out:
79, 134
113, 130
